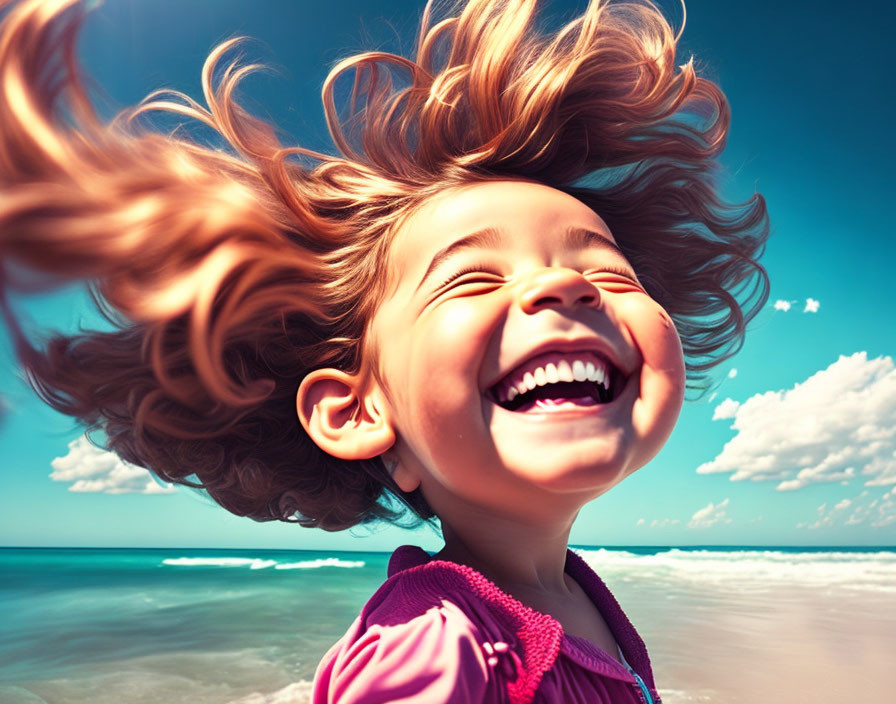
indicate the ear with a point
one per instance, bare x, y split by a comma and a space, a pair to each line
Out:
343, 418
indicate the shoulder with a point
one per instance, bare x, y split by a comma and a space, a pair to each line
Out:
437, 632
434, 657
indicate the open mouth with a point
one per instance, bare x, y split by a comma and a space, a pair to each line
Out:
559, 384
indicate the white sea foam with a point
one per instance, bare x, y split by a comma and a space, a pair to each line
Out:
176, 677
250, 562
751, 570
13, 694
258, 563
681, 696
321, 562
295, 693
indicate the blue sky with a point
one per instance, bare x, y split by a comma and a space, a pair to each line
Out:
796, 446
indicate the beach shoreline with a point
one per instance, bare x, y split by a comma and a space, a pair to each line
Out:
732, 626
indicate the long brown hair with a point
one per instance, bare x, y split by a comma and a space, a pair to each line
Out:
228, 275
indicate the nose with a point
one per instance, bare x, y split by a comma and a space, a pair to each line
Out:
558, 287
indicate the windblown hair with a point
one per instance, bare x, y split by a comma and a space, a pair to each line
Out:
228, 275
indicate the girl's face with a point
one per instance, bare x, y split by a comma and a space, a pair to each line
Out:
540, 298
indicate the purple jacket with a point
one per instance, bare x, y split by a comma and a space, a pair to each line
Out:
437, 633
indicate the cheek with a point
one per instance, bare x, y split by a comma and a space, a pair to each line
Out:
661, 345
654, 334
452, 321
447, 355
439, 373
452, 339
662, 373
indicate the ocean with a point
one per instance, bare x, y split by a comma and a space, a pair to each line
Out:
750, 625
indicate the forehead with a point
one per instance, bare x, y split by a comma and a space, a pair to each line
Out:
529, 214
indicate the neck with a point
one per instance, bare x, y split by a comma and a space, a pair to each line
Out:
519, 556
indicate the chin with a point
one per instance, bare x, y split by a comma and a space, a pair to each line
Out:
591, 479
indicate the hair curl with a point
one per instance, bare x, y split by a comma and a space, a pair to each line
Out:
229, 275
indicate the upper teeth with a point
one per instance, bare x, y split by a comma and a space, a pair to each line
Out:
585, 368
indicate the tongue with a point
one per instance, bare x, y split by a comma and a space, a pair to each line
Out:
556, 404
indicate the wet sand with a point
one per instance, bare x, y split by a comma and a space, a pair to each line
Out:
745, 640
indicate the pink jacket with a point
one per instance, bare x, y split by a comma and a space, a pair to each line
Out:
439, 633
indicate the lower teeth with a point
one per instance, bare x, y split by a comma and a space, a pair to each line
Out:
553, 403
598, 396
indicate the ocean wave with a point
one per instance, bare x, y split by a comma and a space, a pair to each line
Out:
250, 562
752, 569
681, 696
295, 693
255, 563
13, 694
320, 562
176, 676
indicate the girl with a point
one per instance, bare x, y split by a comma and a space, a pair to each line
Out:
483, 309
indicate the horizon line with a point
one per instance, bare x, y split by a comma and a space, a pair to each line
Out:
389, 552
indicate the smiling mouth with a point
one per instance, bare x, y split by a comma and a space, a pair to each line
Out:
551, 396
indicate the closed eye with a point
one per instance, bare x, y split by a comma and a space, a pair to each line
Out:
615, 280
470, 270
613, 270
488, 275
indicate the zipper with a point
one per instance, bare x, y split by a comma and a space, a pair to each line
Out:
644, 693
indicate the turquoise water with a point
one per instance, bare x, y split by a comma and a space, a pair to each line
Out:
222, 626
63, 609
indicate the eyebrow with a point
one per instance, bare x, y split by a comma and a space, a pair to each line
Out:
491, 238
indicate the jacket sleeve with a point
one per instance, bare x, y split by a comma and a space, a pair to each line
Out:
434, 658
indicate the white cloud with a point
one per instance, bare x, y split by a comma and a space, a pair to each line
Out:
732, 373
834, 426
782, 305
91, 469
877, 513
709, 515
811, 306
659, 522
712, 396
726, 409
